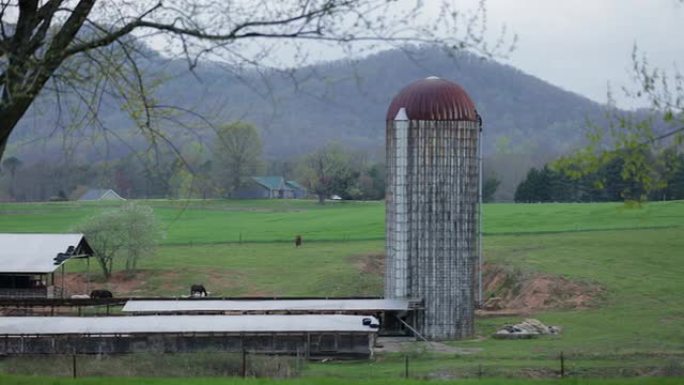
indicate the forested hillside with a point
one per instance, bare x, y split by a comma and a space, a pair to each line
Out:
527, 121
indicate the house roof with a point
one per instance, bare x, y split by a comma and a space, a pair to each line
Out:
270, 182
293, 184
184, 324
40, 253
198, 305
97, 194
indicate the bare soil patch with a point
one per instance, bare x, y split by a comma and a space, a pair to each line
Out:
512, 291
509, 291
169, 282
120, 284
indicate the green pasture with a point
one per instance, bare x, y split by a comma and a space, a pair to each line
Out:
214, 221
269, 269
636, 255
25, 380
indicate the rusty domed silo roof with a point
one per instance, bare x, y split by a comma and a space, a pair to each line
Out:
433, 98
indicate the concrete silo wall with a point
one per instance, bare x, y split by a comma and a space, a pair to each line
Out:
432, 221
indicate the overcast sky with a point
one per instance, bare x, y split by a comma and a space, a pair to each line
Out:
582, 45
579, 45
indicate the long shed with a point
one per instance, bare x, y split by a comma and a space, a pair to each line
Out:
309, 335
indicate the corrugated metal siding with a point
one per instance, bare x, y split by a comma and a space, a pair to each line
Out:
432, 221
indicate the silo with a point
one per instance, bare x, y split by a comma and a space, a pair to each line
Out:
433, 184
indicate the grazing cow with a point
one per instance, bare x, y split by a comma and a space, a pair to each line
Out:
298, 240
101, 293
198, 290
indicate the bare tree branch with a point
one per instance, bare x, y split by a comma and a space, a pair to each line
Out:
40, 37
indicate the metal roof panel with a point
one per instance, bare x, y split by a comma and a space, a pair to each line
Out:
184, 324
199, 305
34, 253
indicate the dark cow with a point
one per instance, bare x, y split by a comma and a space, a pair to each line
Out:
101, 293
298, 240
198, 290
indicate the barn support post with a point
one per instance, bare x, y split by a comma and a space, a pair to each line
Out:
62, 288
87, 275
307, 351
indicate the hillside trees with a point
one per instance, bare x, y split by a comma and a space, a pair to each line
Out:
11, 164
128, 233
327, 171
489, 186
236, 155
606, 183
89, 49
338, 170
645, 145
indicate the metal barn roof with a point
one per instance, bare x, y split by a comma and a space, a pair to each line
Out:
184, 324
36, 253
294, 185
198, 305
270, 182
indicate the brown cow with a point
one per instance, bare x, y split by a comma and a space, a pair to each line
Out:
298, 240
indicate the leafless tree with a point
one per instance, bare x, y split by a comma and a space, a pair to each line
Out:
89, 48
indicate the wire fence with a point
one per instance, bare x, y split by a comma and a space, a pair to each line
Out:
205, 364
246, 364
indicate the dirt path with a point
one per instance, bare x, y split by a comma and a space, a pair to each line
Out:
409, 344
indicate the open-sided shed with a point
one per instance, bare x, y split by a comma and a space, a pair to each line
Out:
394, 315
309, 335
28, 262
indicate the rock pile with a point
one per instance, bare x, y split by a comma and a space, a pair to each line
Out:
529, 328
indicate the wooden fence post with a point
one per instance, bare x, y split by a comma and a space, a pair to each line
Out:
73, 365
243, 370
406, 366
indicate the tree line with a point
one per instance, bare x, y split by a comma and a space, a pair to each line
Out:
200, 171
567, 180
197, 170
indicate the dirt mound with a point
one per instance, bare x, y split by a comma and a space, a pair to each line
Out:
511, 290
121, 283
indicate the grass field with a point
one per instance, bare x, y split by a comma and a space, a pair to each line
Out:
12, 380
327, 381
244, 248
199, 222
